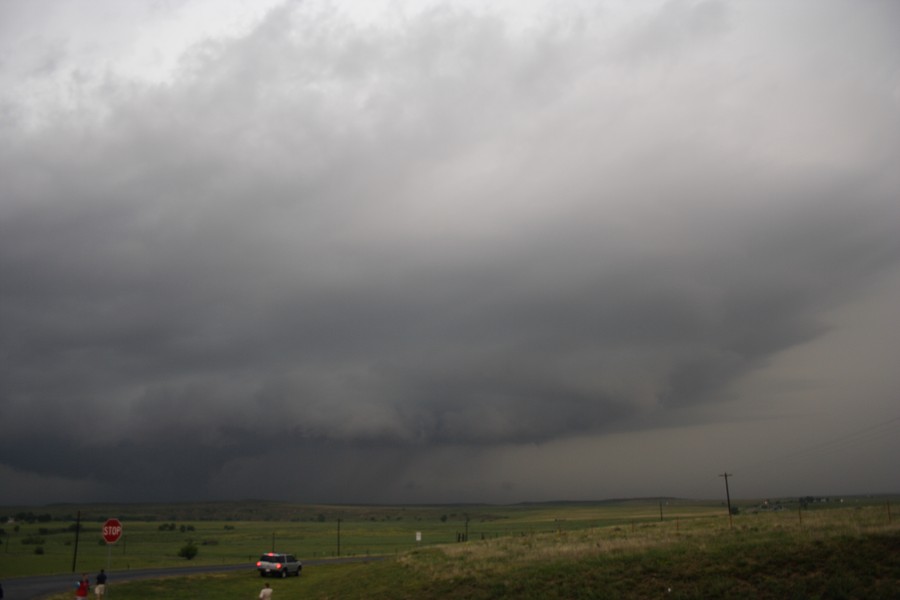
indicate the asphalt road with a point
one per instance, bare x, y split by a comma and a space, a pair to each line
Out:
35, 588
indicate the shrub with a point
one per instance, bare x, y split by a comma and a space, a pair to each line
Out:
188, 551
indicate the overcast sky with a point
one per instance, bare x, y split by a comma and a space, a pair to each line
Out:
448, 251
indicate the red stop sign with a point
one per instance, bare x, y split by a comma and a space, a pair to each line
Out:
112, 530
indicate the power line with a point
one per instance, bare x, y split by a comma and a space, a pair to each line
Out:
859, 437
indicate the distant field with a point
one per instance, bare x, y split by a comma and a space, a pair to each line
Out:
561, 551
229, 533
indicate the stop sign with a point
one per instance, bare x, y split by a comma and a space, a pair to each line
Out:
112, 530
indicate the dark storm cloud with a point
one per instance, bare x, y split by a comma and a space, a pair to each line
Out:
343, 241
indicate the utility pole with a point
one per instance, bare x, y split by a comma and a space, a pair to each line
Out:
77, 531
728, 497
466, 539
339, 537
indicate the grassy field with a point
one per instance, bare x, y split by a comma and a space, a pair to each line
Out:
229, 534
602, 550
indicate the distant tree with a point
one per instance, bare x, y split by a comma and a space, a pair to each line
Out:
188, 551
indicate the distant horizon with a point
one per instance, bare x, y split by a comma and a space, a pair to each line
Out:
646, 499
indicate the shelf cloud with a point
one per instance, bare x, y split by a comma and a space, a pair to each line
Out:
428, 252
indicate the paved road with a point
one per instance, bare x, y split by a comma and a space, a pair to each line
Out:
35, 588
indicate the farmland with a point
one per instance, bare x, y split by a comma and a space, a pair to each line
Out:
564, 550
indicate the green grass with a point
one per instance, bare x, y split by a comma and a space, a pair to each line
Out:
306, 531
763, 557
600, 551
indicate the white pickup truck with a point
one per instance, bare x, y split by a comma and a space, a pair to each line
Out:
282, 565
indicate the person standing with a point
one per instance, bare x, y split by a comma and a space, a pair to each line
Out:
84, 586
100, 584
265, 593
